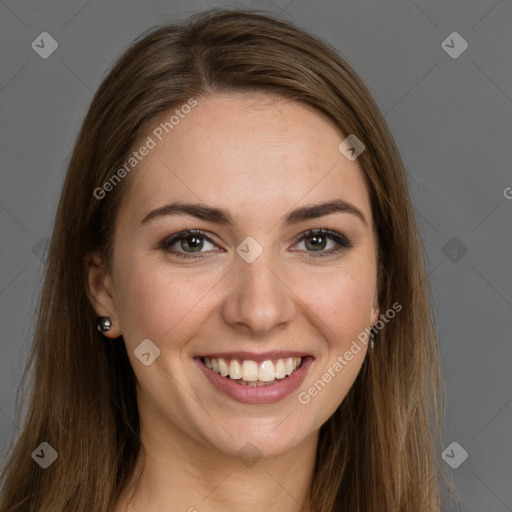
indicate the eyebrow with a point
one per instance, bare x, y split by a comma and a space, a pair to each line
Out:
223, 217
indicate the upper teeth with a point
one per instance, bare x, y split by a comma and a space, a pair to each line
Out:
251, 371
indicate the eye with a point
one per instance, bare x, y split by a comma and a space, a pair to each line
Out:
193, 243
317, 240
188, 243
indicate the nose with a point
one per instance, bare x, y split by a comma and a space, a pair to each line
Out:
259, 300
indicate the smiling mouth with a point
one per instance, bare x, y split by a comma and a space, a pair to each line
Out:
251, 373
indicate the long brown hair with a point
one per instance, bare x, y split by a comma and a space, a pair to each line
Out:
377, 451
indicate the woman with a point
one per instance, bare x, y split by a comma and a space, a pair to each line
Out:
235, 311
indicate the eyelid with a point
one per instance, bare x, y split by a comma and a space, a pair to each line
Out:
342, 242
329, 233
170, 240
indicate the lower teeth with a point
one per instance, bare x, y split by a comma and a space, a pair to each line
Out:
254, 383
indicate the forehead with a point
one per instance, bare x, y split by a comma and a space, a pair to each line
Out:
253, 153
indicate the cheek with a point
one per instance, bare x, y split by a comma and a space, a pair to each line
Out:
157, 303
343, 307
343, 300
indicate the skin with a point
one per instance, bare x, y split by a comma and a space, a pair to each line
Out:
259, 157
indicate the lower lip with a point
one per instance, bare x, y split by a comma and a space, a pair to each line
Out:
258, 394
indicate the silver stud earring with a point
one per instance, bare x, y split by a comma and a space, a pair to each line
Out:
104, 323
371, 344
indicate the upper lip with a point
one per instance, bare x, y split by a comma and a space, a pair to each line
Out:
252, 356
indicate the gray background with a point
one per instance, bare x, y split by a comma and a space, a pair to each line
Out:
452, 123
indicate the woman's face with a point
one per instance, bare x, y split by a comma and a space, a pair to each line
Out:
252, 288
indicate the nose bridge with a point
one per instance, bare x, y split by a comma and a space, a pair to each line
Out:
258, 298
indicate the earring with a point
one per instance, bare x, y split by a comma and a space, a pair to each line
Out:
104, 323
371, 344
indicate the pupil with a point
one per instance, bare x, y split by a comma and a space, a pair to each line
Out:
316, 244
196, 242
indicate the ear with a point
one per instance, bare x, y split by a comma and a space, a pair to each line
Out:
100, 292
375, 311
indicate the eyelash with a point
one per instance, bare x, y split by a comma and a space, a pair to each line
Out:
342, 242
